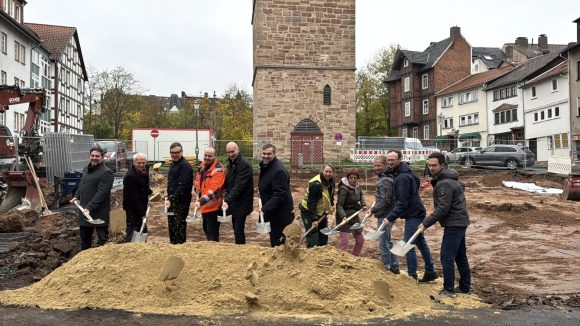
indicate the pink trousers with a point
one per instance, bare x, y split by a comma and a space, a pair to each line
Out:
359, 240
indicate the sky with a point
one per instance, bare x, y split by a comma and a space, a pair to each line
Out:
201, 46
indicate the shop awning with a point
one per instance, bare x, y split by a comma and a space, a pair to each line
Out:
470, 135
441, 139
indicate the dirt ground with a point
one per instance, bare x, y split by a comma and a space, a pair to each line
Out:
523, 248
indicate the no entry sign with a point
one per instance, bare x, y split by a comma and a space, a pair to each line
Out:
154, 133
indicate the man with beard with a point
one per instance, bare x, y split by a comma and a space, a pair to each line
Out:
94, 193
179, 184
239, 187
136, 193
274, 187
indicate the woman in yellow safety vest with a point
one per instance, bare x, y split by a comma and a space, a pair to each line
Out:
317, 204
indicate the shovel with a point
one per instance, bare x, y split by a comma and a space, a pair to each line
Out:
374, 235
140, 236
402, 247
357, 226
196, 216
261, 226
328, 231
88, 216
224, 218
311, 229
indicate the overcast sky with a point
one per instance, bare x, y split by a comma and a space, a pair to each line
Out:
206, 45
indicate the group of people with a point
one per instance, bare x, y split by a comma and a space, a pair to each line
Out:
231, 189
397, 196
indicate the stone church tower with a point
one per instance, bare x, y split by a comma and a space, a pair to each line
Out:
304, 78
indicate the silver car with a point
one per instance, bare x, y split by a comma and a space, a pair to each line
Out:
455, 155
510, 156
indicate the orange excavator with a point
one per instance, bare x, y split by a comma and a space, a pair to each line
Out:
24, 179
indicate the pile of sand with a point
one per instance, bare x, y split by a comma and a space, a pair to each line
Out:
229, 279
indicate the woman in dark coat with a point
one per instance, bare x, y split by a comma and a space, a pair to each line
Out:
350, 199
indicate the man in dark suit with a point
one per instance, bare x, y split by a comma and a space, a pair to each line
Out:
239, 187
274, 187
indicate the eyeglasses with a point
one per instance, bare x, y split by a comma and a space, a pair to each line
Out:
174, 153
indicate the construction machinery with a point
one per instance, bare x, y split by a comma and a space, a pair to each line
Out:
20, 180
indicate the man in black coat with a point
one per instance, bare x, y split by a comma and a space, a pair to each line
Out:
136, 193
274, 187
179, 185
239, 187
94, 194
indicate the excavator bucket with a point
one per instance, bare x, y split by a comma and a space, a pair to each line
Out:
21, 190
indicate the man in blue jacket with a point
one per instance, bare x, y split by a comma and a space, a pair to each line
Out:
451, 212
409, 206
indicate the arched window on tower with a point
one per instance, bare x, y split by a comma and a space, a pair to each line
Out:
327, 95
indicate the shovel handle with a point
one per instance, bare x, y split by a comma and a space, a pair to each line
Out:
144, 220
88, 216
347, 219
312, 228
415, 235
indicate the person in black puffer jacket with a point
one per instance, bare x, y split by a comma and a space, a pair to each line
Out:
451, 212
136, 193
350, 200
94, 193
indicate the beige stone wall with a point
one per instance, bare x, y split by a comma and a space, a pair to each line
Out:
299, 47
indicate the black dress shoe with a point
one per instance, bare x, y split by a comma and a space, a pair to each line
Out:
428, 277
394, 270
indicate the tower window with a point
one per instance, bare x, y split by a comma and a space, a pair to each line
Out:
326, 97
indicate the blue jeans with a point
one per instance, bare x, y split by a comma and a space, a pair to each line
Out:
453, 251
385, 245
411, 225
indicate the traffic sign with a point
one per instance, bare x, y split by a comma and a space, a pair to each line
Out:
154, 133
338, 136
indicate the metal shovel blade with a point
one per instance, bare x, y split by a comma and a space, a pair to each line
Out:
329, 231
373, 235
139, 237
196, 216
171, 269
402, 247
358, 226
261, 226
224, 218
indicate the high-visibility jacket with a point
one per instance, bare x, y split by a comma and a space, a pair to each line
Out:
209, 182
320, 204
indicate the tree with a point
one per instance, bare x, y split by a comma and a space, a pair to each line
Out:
372, 97
114, 89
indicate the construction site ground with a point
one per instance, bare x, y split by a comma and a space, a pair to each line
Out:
523, 248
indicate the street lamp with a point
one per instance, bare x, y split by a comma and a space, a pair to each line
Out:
196, 109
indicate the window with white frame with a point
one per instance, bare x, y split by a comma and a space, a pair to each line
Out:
533, 91
3, 78
3, 118
4, 44
507, 92
554, 85
578, 107
407, 83
425, 81
426, 132
506, 116
415, 132
560, 140
468, 97
405, 62
447, 102
407, 109
405, 132
425, 106
469, 119
448, 123
17, 13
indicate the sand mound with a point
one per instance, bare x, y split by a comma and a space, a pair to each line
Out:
228, 279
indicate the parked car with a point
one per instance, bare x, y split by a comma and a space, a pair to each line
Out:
455, 155
510, 156
115, 154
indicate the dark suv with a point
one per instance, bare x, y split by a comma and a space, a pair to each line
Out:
510, 156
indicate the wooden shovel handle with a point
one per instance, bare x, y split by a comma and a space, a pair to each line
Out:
348, 218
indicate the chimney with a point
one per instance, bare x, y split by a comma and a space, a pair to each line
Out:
205, 94
182, 94
543, 42
577, 21
454, 31
522, 41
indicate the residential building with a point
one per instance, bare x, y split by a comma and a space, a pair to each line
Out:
547, 112
462, 110
522, 50
304, 78
573, 54
415, 78
68, 75
21, 57
505, 101
484, 59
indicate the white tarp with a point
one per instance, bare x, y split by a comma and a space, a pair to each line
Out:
531, 187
